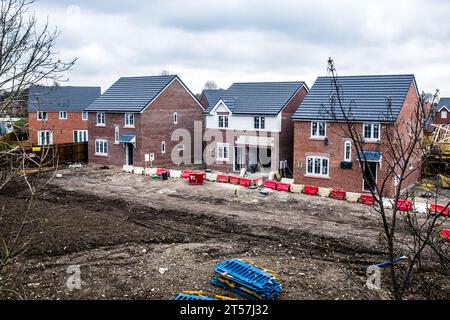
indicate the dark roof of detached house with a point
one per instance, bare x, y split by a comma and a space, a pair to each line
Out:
131, 94
55, 99
367, 96
263, 98
444, 102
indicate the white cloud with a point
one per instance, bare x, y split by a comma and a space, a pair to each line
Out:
230, 41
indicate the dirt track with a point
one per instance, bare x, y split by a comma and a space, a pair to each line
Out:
122, 229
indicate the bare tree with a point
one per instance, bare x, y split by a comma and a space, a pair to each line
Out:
27, 58
211, 85
403, 158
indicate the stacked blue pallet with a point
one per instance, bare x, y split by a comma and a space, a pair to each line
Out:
246, 280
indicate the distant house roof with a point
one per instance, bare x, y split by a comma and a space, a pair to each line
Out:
54, 99
443, 103
264, 98
368, 95
133, 94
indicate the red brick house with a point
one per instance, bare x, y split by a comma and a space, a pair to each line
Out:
132, 123
442, 114
325, 157
56, 114
250, 126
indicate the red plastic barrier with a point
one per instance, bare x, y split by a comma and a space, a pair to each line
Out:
245, 182
311, 190
445, 234
196, 178
283, 187
439, 209
367, 199
404, 205
223, 179
159, 172
234, 180
338, 194
271, 185
186, 174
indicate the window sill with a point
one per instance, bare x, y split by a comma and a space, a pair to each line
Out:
101, 155
100, 125
223, 160
129, 127
372, 141
317, 138
311, 176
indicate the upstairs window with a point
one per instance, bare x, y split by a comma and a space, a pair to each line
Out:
116, 135
63, 115
129, 120
85, 116
444, 114
223, 121
260, 123
318, 129
163, 147
101, 119
42, 116
372, 131
175, 117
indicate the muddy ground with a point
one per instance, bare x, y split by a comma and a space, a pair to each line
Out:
136, 238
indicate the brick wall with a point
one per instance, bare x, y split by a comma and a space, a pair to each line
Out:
62, 129
154, 125
349, 180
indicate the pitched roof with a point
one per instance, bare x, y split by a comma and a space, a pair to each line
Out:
444, 102
368, 95
55, 99
263, 98
131, 94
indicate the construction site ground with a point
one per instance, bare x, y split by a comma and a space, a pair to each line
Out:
137, 238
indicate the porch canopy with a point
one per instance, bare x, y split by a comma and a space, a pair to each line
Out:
254, 141
371, 156
127, 138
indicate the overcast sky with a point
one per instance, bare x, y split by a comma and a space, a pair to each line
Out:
252, 40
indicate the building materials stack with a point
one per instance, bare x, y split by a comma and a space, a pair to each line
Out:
247, 281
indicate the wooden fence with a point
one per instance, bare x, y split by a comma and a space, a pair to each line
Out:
64, 153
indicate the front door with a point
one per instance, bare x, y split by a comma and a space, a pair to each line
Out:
129, 149
370, 176
239, 158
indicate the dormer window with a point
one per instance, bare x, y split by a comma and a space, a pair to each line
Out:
223, 121
444, 114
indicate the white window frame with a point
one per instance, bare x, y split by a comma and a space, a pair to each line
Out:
346, 145
50, 138
444, 114
259, 123
84, 133
101, 147
163, 147
314, 174
129, 120
372, 137
221, 147
85, 116
175, 118
40, 116
116, 135
103, 117
225, 121
61, 115
315, 134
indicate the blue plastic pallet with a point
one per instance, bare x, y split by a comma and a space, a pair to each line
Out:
215, 281
263, 283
